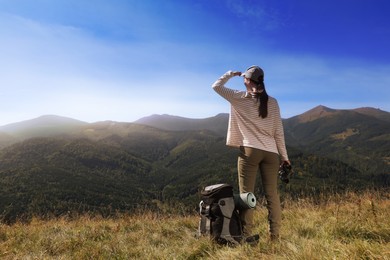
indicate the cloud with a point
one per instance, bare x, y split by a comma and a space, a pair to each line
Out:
73, 69
255, 15
55, 69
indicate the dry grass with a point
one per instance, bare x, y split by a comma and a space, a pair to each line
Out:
342, 227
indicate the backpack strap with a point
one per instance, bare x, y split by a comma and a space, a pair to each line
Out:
204, 223
227, 207
208, 222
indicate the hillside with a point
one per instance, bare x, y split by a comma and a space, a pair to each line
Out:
109, 167
53, 176
358, 137
108, 173
217, 124
44, 126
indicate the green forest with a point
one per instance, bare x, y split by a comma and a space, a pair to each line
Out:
106, 168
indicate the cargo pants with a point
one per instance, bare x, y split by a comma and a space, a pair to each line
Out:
250, 160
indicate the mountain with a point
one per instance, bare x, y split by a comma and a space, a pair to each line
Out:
375, 112
47, 125
312, 115
105, 173
321, 123
7, 139
75, 167
326, 112
358, 137
217, 124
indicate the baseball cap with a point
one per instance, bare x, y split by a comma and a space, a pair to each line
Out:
254, 73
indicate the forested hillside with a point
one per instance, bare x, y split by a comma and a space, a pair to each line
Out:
359, 138
110, 167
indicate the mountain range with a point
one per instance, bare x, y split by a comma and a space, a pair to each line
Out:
52, 165
363, 132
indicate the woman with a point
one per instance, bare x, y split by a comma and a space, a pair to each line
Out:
255, 126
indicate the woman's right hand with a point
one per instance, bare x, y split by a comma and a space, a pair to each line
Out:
237, 73
286, 162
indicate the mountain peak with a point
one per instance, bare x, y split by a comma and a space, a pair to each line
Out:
41, 126
41, 120
216, 123
315, 113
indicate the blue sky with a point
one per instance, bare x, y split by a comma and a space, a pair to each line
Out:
122, 60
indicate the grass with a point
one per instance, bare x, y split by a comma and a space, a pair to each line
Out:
349, 226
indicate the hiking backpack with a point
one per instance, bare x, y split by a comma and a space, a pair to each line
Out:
219, 217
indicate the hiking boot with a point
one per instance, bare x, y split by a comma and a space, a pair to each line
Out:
252, 240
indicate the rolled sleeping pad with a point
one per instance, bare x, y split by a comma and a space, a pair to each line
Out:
245, 200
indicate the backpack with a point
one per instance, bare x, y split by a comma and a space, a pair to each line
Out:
219, 217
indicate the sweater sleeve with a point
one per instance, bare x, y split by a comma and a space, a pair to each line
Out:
223, 79
219, 86
279, 136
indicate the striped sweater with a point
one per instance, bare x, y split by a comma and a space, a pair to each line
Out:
246, 128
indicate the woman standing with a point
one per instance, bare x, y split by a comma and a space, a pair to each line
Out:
255, 126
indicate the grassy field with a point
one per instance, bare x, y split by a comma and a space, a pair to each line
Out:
348, 226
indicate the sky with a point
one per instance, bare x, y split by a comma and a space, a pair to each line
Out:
122, 60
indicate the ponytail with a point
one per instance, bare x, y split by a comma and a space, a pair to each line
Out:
262, 98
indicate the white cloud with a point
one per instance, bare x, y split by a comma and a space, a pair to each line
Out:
255, 15
64, 70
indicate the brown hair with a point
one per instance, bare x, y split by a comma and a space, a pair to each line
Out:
262, 98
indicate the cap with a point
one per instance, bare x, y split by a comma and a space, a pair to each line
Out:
254, 73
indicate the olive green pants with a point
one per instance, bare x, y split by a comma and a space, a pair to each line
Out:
250, 160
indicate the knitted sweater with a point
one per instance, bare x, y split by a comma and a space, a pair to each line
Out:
246, 128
